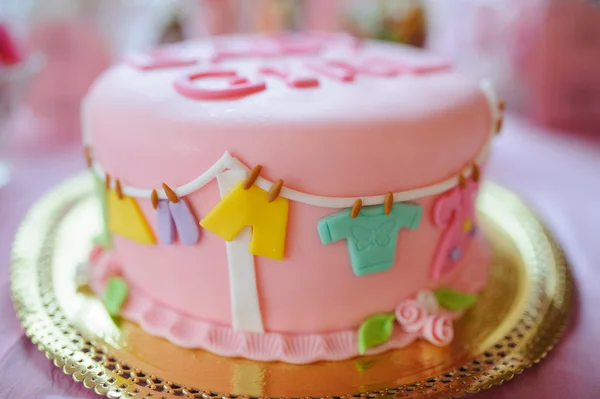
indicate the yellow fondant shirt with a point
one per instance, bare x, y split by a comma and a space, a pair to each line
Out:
126, 219
240, 208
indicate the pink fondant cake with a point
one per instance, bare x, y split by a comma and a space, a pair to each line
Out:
292, 197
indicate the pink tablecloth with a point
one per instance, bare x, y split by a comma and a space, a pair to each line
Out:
556, 173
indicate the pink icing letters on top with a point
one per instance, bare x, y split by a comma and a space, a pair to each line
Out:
377, 65
237, 86
380, 69
290, 79
455, 212
338, 70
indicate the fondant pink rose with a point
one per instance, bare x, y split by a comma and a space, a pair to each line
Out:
438, 330
411, 316
95, 254
428, 300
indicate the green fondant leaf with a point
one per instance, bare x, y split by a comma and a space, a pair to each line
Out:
103, 239
115, 295
374, 331
454, 300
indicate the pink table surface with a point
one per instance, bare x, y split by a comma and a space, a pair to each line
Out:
556, 173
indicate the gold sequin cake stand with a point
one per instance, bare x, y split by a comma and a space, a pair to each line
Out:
516, 321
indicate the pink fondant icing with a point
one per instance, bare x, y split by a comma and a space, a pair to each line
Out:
370, 136
189, 332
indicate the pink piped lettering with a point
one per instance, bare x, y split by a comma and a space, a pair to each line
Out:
338, 70
433, 68
237, 86
379, 68
289, 78
387, 67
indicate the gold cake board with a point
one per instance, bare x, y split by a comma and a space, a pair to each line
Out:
516, 321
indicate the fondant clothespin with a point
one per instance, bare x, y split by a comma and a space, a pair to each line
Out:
88, 156
476, 172
107, 181
388, 203
275, 190
252, 177
462, 181
154, 199
356, 209
499, 124
118, 189
171, 195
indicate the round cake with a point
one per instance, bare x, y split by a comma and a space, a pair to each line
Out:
294, 197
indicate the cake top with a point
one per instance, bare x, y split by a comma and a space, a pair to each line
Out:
307, 78
300, 104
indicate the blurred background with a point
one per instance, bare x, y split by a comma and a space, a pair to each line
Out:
544, 55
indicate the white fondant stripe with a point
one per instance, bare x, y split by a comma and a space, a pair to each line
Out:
347, 202
245, 307
227, 161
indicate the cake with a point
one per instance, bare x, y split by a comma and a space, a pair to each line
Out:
290, 197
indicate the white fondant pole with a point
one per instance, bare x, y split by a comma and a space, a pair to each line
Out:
245, 307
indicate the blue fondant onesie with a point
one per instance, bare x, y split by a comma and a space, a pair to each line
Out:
372, 235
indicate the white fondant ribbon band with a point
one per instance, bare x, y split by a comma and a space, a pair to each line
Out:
245, 306
227, 161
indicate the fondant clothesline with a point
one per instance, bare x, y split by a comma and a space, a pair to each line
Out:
228, 162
